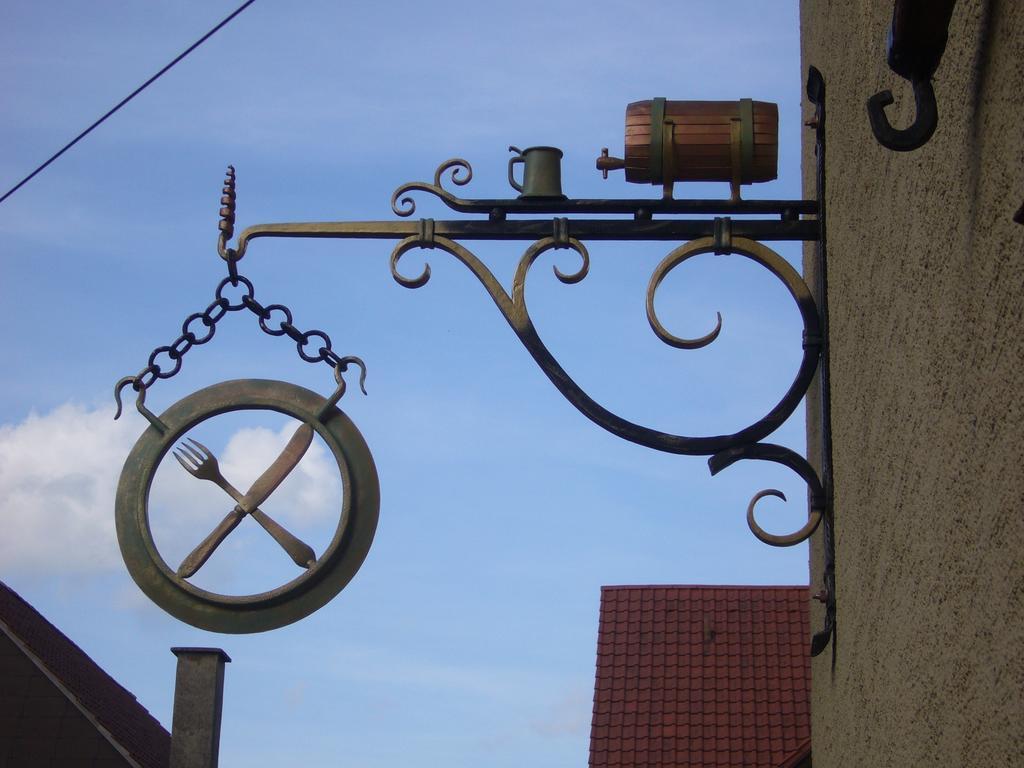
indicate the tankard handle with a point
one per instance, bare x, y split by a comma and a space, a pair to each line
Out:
511, 162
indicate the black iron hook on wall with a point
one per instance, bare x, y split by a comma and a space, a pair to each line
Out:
917, 40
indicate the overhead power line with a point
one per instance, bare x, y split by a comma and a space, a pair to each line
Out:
128, 98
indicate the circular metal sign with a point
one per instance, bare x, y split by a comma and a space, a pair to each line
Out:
322, 578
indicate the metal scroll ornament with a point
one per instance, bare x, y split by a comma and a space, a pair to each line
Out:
544, 219
322, 576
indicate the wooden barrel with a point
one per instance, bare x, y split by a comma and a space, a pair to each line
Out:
700, 146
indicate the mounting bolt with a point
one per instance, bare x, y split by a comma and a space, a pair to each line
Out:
821, 597
812, 123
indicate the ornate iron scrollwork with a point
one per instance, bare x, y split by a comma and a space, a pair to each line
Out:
774, 220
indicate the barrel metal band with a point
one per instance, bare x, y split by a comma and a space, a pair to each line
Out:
668, 157
746, 140
657, 141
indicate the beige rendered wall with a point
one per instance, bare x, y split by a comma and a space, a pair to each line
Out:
926, 271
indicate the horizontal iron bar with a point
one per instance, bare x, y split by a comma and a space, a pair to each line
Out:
632, 205
534, 229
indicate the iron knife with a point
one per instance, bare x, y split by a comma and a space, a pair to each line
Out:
265, 485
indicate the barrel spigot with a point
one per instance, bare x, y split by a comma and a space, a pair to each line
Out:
606, 163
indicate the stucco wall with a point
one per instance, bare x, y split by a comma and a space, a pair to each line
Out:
926, 273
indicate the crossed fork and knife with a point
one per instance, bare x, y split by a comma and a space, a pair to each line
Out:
199, 461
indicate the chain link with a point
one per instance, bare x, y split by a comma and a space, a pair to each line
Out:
313, 346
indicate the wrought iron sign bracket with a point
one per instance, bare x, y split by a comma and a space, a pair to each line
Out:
547, 220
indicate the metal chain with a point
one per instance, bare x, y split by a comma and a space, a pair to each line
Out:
313, 346
164, 362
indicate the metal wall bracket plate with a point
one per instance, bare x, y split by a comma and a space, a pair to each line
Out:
292, 601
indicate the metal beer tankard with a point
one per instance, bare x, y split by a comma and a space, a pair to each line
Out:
542, 172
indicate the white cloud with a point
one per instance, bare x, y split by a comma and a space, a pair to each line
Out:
311, 491
58, 475
58, 480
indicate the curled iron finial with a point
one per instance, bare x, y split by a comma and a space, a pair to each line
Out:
777, 540
133, 381
670, 262
136, 383
396, 254
461, 174
342, 366
788, 458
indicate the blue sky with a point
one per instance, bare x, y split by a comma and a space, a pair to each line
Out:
468, 637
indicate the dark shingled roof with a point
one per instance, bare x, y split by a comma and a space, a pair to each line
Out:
115, 708
714, 677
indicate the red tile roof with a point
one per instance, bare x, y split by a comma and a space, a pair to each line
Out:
714, 677
114, 707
